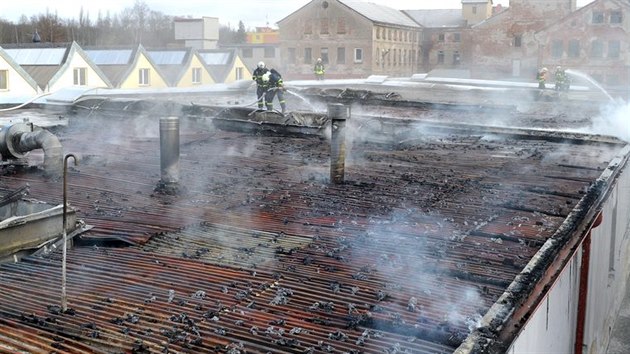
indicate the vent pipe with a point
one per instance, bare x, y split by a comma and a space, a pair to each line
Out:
18, 139
169, 149
338, 113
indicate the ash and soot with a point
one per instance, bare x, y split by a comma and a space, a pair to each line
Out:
252, 248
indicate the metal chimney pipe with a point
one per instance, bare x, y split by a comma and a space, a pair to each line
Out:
338, 114
169, 149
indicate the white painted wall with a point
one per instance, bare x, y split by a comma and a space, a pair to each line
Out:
552, 327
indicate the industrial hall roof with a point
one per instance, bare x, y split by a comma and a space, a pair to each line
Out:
257, 251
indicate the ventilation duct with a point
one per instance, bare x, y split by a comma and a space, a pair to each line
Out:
16, 140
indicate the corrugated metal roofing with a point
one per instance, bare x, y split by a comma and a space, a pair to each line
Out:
438, 18
110, 56
379, 13
37, 56
262, 253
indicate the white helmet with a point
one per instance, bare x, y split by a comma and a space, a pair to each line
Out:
261, 64
319, 60
266, 76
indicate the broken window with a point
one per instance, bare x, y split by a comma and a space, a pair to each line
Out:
308, 27
615, 17
341, 25
292, 55
518, 40
341, 55
324, 26
574, 48
598, 17
614, 47
4, 79
324, 55
456, 58
557, 48
308, 55
597, 49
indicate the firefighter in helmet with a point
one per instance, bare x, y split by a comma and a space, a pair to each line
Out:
276, 87
261, 85
319, 69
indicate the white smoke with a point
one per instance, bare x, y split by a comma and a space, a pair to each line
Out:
613, 121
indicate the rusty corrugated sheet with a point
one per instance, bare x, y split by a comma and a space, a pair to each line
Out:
432, 224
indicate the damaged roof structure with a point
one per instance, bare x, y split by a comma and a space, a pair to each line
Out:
446, 234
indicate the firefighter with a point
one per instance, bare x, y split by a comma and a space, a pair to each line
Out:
261, 85
562, 80
276, 87
319, 69
541, 77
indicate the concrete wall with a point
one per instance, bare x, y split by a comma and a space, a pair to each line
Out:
552, 327
198, 33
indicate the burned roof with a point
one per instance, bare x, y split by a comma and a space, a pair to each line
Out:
259, 252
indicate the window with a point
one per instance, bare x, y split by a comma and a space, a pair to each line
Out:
389, 34
557, 48
80, 76
324, 55
378, 33
270, 52
292, 56
4, 79
614, 48
598, 17
248, 53
239, 74
440, 57
308, 27
518, 41
308, 55
324, 26
615, 17
456, 58
574, 48
474, 10
196, 75
358, 55
341, 55
597, 49
341, 25
441, 37
457, 37
143, 77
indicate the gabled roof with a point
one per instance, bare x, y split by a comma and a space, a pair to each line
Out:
373, 12
379, 13
583, 9
117, 63
41, 62
218, 61
438, 18
46, 63
172, 62
9, 60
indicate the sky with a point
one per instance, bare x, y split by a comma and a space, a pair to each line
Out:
253, 13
